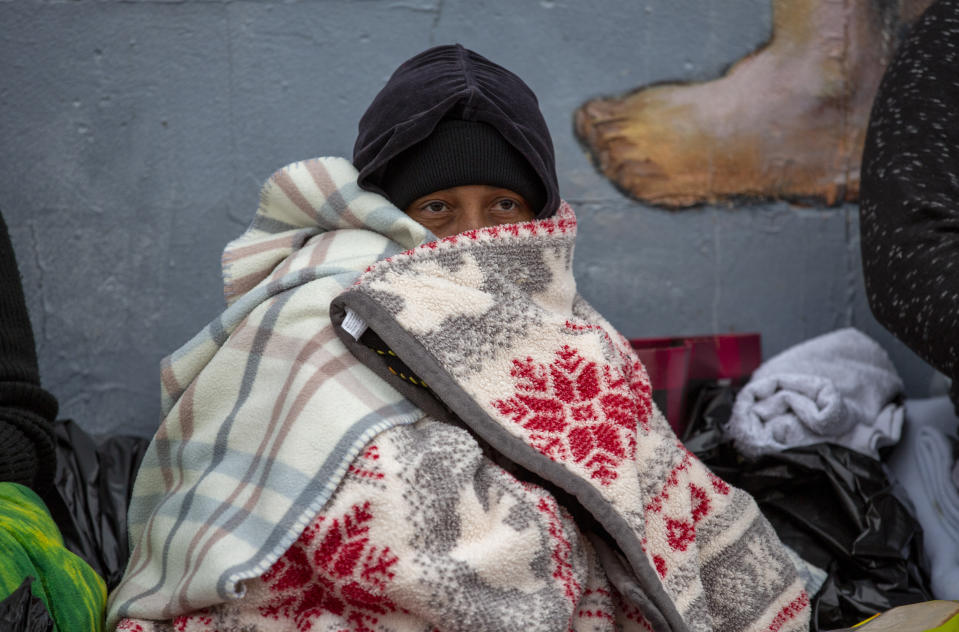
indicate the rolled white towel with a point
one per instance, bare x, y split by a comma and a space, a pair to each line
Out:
840, 387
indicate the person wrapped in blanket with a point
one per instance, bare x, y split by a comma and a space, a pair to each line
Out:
408, 419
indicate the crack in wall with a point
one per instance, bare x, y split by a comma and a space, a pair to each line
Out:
852, 279
717, 272
437, 16
230, 97
41, 324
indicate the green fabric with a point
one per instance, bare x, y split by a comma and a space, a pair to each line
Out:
31, 545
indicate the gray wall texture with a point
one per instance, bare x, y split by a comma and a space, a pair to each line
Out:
134, 137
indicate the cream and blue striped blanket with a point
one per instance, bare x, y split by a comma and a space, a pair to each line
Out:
264, 409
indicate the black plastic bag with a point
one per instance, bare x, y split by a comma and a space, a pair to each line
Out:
709, 412
21, 611
92, 489
835, 507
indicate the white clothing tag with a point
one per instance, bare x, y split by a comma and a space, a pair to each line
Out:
353, 324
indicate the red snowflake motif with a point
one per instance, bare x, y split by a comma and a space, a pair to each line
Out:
635, 372
340, 573
126, 625
575, 410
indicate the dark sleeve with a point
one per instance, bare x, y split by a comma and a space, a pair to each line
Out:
909, 197
27, 448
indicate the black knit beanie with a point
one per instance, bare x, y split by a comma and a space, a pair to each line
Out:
460, 153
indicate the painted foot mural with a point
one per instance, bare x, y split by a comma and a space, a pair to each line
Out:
787, 121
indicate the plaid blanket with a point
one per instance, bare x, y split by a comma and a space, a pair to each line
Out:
265, 408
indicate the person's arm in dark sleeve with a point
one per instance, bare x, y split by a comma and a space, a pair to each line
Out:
909, 195
27, 447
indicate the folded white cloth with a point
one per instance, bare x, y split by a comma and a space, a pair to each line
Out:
921, 465
840, 387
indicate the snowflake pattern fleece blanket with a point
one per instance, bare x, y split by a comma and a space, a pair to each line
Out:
542, 491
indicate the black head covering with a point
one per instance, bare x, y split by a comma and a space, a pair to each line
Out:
27, 445
453, 83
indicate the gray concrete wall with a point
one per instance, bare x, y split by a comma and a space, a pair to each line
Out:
134, 136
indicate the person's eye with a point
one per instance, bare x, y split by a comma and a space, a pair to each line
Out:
434, 207
506, 204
